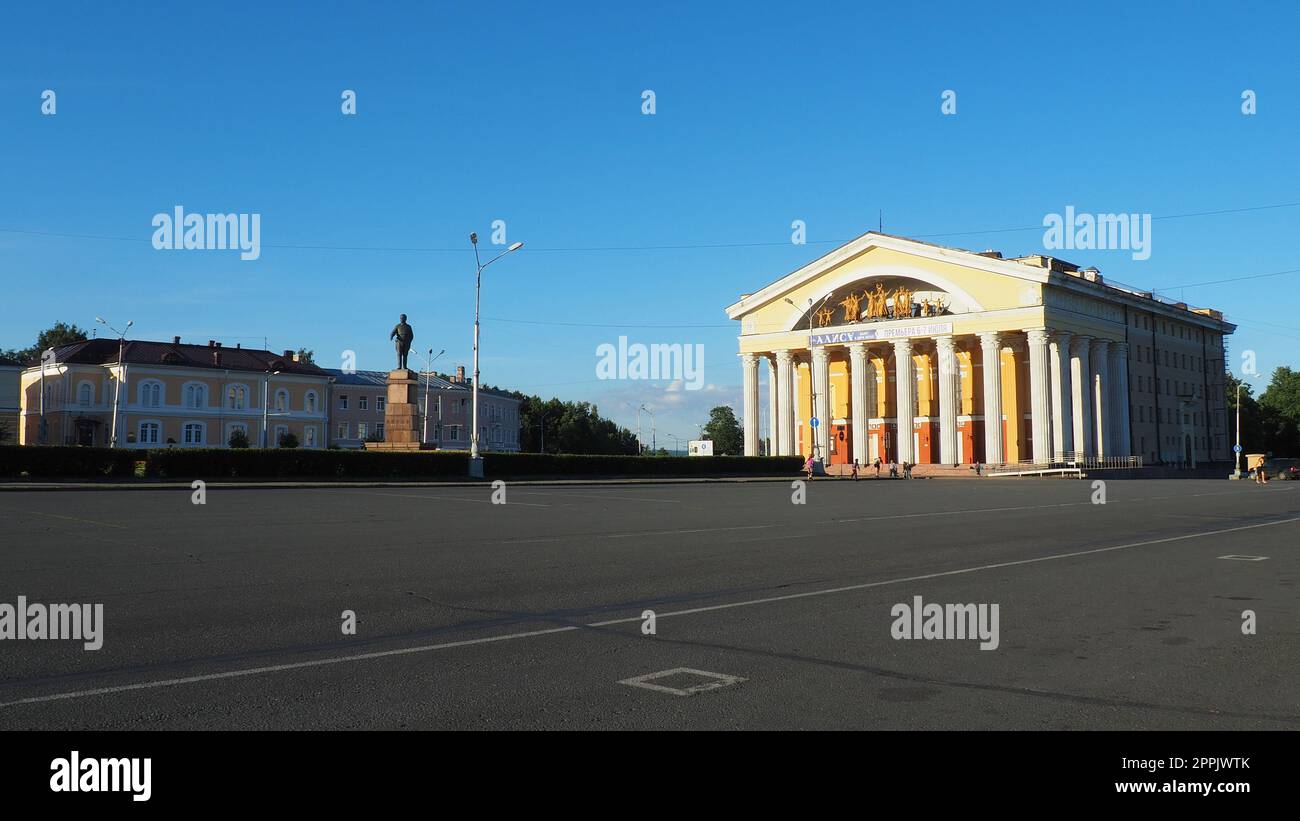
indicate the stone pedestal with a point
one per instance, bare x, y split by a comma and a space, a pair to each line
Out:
402, 428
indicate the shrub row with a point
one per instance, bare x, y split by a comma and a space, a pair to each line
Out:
298, 463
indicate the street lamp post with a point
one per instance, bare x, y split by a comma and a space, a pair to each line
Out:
266, 389
653, 439
1236, 452
476, 461
428, 368
121, 372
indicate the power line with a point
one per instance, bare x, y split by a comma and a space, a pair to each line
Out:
663, 247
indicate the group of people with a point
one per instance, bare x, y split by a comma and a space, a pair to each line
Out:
896, 470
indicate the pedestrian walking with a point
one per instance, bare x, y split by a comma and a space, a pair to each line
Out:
877, 467
808, 467
855, 470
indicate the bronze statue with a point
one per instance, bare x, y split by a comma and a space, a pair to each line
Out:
404, 334
851, 307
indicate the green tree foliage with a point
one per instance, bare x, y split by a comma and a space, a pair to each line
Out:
571, 427
238, 439
60, 333
1279, 406
725, 431
1271, 423
307, 356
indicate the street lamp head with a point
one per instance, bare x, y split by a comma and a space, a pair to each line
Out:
130, 322
473, 238
100, 320
514, 247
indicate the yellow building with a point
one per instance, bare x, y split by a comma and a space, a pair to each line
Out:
1070, 367
170, 393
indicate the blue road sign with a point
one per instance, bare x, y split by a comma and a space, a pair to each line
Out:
814, 422
1235, 448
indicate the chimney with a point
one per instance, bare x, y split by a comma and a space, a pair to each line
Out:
460, 373
176, 340
991, 254
216, 357
212, 343
238, 345
218, 344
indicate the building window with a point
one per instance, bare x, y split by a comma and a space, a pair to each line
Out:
196, 396
151, 394
363, 403
343, 430
237, 397
84, 394
193, 433
150, 432
236, 426
281, 431
309, 436
379, 403
343, 401
361, 430
309, 402
281, 400
379, 430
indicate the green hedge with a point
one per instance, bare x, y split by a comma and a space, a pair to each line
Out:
297, 463
58, 460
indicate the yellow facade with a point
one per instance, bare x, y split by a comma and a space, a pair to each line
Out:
1082, 367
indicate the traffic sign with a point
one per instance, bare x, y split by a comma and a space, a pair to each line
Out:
1235, 448
814, 422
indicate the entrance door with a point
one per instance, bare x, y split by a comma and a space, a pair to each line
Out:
841, 445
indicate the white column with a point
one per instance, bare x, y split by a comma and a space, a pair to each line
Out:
1081, 395
784, 406
904, 391
773, 420
991, 352
821, 373
1097, 384
749, 371
1119, 392
858, 401
1062, 398
949, 393
1039, 400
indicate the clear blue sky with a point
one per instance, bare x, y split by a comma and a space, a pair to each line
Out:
531, 113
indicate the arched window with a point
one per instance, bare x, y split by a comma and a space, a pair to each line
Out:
85, 394
151, 394
237, 397
150, 433
309, 402
281, 400
196, 395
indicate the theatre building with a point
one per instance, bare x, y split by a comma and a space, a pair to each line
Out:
902, 350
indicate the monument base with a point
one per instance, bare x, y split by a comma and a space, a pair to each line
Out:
398, 446
476, 467
401, 412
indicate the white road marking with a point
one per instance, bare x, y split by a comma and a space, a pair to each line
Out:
444, 498
1240, 558
719, 680
277, 668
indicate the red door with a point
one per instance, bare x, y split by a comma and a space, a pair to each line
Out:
841, 445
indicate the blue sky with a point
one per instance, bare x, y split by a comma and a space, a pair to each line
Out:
531, 113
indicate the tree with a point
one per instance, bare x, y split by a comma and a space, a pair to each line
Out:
1252, 427
288, 440
309, 357
60, 333
726, 433
570, 427
1279, 407
238, 439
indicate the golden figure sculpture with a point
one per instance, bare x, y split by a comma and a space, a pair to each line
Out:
902, 302
850, 304
876, 302
824, 317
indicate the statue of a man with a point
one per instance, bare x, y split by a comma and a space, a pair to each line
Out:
403, 334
